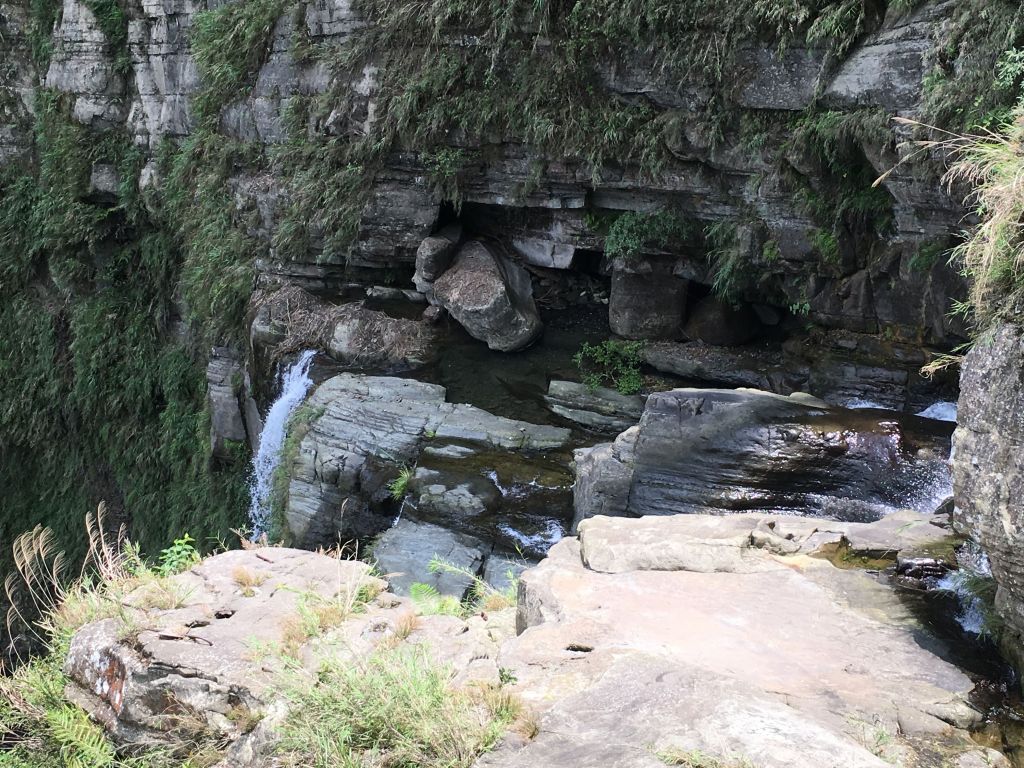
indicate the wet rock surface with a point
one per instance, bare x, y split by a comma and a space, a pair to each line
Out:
734, 450
491, 297
362, 430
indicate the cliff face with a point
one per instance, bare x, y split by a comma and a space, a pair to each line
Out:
161, 161
988, 467
787, 163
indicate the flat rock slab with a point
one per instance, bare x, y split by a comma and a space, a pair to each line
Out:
774, 657
600, 409
736, 543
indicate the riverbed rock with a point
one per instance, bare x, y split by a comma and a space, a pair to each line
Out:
837, 676
716, 451
362, 431
600, 409
404, 552
491, 297
755, 367
988, 467
434, 256
647, 303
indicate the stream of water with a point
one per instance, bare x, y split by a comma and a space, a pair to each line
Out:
295, 383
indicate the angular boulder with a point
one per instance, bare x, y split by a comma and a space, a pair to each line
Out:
491, 297
434, 256
717, 451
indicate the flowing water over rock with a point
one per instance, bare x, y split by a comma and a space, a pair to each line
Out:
295, 384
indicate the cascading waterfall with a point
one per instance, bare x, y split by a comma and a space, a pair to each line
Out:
295, 383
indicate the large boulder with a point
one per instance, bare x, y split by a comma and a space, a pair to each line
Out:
362, 431
434, 256
491, 297
647, 301
988, 467
716, 451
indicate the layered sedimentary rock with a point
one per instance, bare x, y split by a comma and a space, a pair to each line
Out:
629, 645
717, 451
988, 466
363, 430
540, 205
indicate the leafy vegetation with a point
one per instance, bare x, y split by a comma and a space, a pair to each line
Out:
397, 487
39, 728
480, 596
612, 363
101, 398
631, 233
992, 255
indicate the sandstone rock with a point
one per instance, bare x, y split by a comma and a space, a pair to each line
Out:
756, 367
196, 658
601, 409
491, 297
365, 429
403, 554
714, 321
738, 450
988, 466
682, 673
434, 256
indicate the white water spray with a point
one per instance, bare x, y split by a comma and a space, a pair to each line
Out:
295, 383
974, 565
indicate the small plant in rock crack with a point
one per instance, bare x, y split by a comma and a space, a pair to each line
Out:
400, 484
178, 557
611, 363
